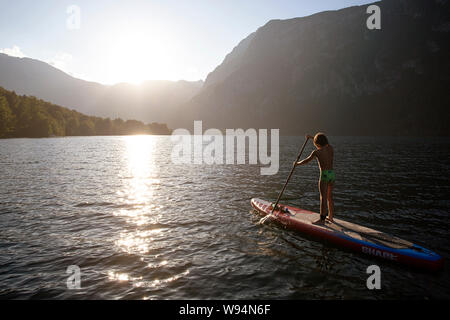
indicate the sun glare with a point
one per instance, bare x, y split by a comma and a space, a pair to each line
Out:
139, 54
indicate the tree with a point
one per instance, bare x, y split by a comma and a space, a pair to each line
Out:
7, 119
104, 126
73, 125
40, 125
28, 116
87, 127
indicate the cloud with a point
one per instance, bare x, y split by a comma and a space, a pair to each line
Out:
13, 52
61, 61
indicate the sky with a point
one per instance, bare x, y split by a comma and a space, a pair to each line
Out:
112, 41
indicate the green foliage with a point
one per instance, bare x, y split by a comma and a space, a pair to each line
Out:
27, 116
7, 118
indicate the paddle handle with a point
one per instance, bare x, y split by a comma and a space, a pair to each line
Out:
290, 175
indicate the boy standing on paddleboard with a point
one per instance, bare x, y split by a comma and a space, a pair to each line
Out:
324, 154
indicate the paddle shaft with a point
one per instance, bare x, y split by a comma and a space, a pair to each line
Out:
290, 175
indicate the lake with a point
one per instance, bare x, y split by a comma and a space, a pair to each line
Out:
140, 227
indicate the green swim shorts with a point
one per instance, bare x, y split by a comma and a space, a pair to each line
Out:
328, 176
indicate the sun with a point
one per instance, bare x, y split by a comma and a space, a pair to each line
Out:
138, 54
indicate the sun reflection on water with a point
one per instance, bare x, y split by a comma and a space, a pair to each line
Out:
137, 242
136, 197
140, 212
159, 282
140, 178
139, 282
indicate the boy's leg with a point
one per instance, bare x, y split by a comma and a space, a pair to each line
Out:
330, 202
323, 188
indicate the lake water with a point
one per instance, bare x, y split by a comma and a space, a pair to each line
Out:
140, 227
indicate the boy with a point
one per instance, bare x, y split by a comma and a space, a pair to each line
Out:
324, 154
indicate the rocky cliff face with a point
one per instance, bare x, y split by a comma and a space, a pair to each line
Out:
330, 72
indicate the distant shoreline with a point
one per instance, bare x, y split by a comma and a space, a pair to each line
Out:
112, 135
300, 136
28, 116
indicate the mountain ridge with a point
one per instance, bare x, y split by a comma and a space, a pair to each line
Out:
329, 72
323, 72
33, 77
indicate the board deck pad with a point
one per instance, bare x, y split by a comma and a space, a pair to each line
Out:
367, 234
347, 228
350, 234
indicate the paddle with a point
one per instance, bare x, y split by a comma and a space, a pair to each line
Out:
284, 187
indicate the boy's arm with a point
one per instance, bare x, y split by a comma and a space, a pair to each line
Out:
306, 160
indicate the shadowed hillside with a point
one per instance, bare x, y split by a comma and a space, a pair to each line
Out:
329, 72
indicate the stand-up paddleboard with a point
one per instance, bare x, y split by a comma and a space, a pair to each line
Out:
353, 236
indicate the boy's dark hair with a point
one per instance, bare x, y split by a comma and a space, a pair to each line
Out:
320, 139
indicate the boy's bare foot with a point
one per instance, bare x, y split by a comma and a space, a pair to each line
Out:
319, 222
281, 208
330, 220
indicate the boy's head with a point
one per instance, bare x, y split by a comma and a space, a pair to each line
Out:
320, 140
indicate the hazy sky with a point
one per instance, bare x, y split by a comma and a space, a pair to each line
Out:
135, 40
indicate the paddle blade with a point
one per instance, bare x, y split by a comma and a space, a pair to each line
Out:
263, 219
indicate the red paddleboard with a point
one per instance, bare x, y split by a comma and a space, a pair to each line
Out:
352, 236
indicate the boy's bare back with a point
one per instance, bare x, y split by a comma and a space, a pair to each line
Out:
325, 156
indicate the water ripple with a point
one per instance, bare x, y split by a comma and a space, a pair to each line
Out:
140, 227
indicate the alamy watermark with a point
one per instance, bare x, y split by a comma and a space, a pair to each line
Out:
212, 147
374, 280
74, 280
374, 20
73, 21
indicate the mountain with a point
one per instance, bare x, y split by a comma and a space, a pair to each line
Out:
329, 72
151, 101
325, 72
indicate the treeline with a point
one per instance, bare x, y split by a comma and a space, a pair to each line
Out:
27, 116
